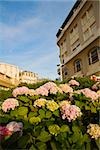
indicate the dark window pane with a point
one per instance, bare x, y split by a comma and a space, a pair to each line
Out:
94, 56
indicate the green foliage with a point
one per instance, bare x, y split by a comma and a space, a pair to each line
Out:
46, 130
35, 85
5, 94
64, 128
22, 111
41, 146
24, 99
33, 120
85, 82
44, 136
23, 141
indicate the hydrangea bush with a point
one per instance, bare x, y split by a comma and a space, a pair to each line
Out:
51, 116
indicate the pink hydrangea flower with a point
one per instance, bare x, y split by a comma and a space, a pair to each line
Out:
90, 94
47, 88
74, 82
20, 91
51, 87
9, 103
14, 126
4, 132
66, 88
71, 112
96, 86
42, 91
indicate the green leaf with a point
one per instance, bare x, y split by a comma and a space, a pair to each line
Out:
54, 129
88, 147
32, 114
24, 99
98, 143
33, 120
42, 113
32, 148
4, 119
93, 109
53, 145
56, 113
79, 104
44, 136
41, 146
64, 128
23, 141
87, 107
14, 113
22, 111
75, 128
48, 114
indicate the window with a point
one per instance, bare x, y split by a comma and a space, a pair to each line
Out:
63, 45
76, 45
86, 34
88, 23
74, 38
77, 65
62, 59
93, 56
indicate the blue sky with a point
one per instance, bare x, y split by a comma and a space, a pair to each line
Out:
28, 33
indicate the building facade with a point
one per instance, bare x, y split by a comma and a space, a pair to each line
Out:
79, 40
28, 77
11, 76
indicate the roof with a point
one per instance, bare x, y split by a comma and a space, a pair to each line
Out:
68, 17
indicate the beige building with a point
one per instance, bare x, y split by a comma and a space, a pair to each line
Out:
79, 40
11, 76
28, 77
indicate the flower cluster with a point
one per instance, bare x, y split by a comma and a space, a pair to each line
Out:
4, 132
90, 94
9, 129
14, 126
63, 103
42, 91
94, 131
52, 105
71, 112
52, 87
73, 82
9, 103
95, 78
47, 88
40, 102
96, 86
31, 92
20, 91
66, 88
